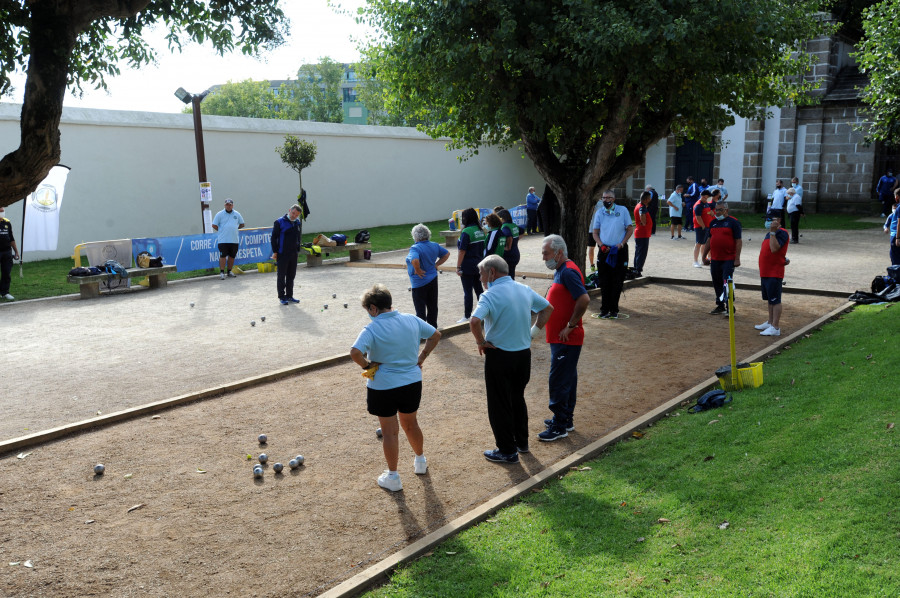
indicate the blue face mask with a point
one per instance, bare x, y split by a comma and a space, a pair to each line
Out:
768, 224
720, 217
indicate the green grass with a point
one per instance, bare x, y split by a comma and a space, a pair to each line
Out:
47, 278
804, 470
815, 221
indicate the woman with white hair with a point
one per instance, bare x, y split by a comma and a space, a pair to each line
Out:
421, 264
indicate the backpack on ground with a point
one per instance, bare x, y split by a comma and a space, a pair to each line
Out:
711, 400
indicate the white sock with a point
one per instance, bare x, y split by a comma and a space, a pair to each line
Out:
393, 474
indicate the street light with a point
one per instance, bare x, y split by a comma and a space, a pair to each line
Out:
194, 100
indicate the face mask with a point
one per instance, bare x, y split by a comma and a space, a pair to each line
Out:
607, 204
2, 215
551, 264
722, 217
768, 224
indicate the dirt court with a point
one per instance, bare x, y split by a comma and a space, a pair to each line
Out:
206, 527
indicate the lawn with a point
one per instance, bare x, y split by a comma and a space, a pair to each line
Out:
47, 278
791, 490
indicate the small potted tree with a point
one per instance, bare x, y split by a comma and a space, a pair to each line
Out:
298, 154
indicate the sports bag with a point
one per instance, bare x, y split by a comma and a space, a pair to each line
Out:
114, 267
145, 260
339, 239
711, 400
82, 271
362, 236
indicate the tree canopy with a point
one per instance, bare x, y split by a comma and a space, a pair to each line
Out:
67, 44
587, 86
248, 98
317, 91
879, 58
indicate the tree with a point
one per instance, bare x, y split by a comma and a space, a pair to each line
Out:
587, 87
68, 43
879, 57
297, 154
317, 91
251, 99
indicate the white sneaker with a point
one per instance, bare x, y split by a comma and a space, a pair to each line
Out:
420, 465
222, 275
9, 297
231, 274
389, 482
762, 326
771, 331
462, 320
697, 265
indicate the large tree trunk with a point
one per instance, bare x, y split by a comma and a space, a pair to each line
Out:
52, 42
53, 31
574, 218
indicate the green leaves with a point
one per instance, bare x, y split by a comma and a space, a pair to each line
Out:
878, 57
297, 153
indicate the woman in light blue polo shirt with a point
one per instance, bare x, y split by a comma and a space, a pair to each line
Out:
388, 349
421, 265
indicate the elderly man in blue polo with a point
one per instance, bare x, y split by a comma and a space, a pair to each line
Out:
611, 227
505, 307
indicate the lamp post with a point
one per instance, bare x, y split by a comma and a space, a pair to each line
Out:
194, 100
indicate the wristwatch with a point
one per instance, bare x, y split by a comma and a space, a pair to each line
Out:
572, 325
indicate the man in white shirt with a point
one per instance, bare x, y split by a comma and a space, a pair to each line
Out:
720, 185
778, 198
676, 203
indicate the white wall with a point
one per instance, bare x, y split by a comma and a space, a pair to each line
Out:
655, 167
134, 174
770, 150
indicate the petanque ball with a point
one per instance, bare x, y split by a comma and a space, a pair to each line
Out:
263, 439
345, 306
192, 304
257, 472
334, 295
262, 318
99, 468
378, 433
299, 459
252, 322
263, 458
277, 467
293, 464
326, 306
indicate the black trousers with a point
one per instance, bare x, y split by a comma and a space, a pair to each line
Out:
287, 270
611, 279
425, 300
531, 222
506, 374
795, 227
6, 264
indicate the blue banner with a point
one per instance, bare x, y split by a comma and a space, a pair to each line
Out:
201, 252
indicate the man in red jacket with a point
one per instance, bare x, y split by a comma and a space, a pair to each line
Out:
772, 260
565, 334
724, 245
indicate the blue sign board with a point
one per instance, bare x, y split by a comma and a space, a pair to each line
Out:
201, 252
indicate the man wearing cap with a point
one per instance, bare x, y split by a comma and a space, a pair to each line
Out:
285, 250
724, 246
772, 260
885, 191
227, 223
8, 253
611, 228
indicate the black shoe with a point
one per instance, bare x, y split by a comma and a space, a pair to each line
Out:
523, 449
497, 457
552, 433
604, 315
570, 427
719, 310
613, 315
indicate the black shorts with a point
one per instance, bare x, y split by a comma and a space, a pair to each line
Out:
228, 249
700, 235
591, 241
676, 220
771, 289
386, 403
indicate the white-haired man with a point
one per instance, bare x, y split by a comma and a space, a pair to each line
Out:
565, 333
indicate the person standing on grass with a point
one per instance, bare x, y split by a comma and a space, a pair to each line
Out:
388, 349
565, 334
510, 232
675, 203
772, 260
724, 246
421, 265
285, 250
8, 253
643, 219
227, 223
890, 227
470, 250
505, 307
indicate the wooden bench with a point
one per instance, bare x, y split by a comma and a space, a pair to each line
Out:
90, 285
450, 237
356, 253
